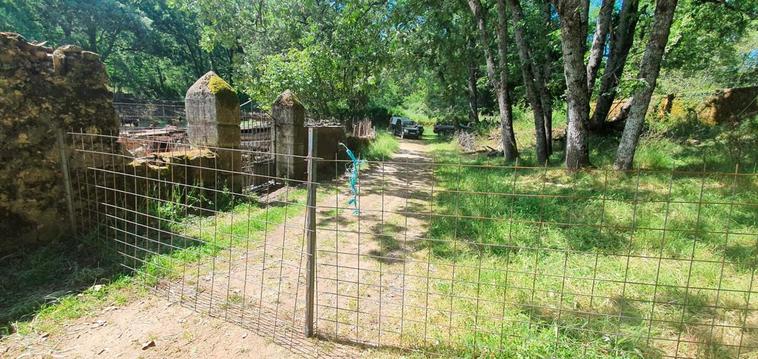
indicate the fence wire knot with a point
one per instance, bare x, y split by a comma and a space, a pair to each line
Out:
352, 179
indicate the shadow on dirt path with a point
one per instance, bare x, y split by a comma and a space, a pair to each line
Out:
368, 269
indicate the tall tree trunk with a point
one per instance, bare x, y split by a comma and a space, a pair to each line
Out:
543, 75
473, 92
92, 37
528, 73
500, 84
507, 121
602, 27
621, 42
573, 35
648, 75
547, 108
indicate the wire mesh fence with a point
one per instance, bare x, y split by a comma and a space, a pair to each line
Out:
458, 259
150, 114
198, 230
469, 259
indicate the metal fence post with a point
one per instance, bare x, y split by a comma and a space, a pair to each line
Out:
310, 232
66, 178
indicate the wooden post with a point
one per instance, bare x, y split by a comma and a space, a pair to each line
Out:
66, 178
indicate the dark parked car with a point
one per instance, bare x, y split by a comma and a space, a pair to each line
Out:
406, 128
444, 128
448, 128
394, 122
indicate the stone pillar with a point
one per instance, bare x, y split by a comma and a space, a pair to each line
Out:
291, 136
213, 119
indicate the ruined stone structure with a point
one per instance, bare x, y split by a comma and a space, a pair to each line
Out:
213, 119
730, 105
291, 136
41, 91
724, 106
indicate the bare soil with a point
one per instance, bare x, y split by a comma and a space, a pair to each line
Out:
253, 295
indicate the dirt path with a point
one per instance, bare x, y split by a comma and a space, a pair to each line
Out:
369, 263
364, 284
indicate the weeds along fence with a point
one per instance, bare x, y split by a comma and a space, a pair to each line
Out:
457, 259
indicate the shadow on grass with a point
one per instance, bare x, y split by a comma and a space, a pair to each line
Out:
35, 278
127, 240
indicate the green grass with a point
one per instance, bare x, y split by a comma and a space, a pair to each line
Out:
33, 281
382, 147
579, 275
667, 143
241, 223
51, 317
40, 273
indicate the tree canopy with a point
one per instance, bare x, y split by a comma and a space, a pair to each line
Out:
421, 58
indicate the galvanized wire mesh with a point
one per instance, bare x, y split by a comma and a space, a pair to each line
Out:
210, 238
147, 114
467, 259
459, 259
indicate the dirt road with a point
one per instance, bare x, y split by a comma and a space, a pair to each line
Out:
253, 294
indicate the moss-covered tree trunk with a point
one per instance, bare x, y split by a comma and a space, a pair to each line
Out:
602, 27
529, 75
473, 91
621, 42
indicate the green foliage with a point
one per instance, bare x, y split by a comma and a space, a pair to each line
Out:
382, 147
330, 54
711, 46
706, 34
151, 48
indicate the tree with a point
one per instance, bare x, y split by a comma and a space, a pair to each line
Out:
500, 85
621, 42
437, 56
598, 41
529, 74
473, 75
151, 48
573, 34
648, 75
545, 57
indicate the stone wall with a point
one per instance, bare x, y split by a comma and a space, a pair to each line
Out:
730, 105
724, 106
43, 90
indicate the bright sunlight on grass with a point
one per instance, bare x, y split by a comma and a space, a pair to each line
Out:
382, 147
583, 270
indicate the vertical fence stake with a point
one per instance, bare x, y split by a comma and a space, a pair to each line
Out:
66, 177
310, 232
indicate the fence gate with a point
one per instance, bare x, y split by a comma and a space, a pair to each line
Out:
257, 141
467, 259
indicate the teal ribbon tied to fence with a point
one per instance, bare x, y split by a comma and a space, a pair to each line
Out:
352, 179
